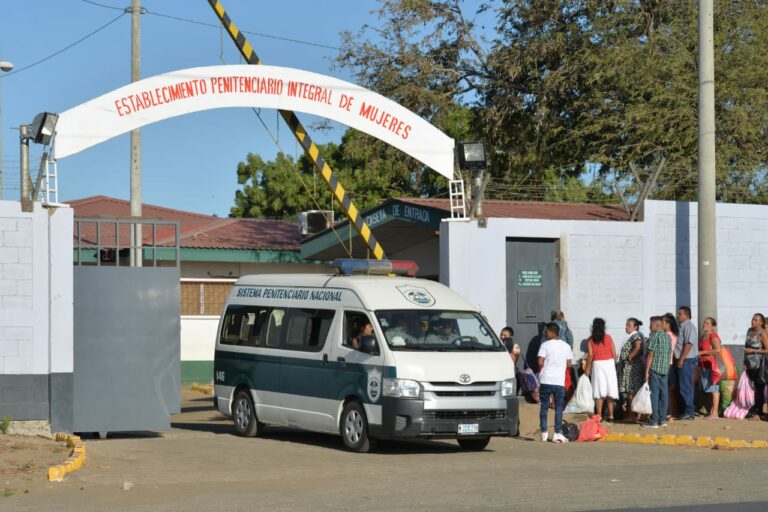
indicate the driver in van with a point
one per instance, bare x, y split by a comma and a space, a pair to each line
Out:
445, 334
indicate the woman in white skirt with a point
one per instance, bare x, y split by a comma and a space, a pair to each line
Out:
601, 367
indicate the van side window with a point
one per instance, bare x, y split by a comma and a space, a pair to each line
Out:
275, 327
297, 329
242, 325
356, 324
320, 326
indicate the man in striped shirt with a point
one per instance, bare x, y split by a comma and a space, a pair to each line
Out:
656, 368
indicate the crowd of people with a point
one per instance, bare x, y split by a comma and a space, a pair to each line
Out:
672, 360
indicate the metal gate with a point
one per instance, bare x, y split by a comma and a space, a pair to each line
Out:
533, 290
126, 327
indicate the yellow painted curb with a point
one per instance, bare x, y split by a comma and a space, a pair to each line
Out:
75, 460
682, 440
207, 389
668, 440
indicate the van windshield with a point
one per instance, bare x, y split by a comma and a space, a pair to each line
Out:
439, 331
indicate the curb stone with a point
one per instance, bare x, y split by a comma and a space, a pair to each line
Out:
207, 389
682, 440
75, 460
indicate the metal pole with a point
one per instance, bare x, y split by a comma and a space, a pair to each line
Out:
707, 176
1, 138
26, 193
5, 66
136, 238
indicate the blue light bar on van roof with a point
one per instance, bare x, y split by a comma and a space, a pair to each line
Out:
348, 267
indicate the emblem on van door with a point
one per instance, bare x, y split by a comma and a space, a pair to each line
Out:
417, 295
374, 384
464, 378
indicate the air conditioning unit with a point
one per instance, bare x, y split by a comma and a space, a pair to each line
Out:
315, 221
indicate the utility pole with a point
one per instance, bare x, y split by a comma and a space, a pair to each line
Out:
707, 176
136, 232
26, 181
5, 66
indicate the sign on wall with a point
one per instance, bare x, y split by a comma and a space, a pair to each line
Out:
529, 278
191, 90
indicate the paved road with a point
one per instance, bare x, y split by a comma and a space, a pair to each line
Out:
201, 465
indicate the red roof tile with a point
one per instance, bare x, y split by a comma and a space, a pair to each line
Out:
196, 230
533, 210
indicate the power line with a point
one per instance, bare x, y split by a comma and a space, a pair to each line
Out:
213, 25
65, 48
103, 5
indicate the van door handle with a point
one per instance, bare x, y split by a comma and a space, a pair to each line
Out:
325, 359
342, 360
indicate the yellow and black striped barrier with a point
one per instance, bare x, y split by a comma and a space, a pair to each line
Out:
350, 210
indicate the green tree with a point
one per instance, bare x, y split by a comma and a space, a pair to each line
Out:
564, 84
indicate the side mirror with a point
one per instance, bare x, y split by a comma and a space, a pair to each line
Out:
369, 346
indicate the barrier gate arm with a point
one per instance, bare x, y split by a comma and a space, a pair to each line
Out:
350, 210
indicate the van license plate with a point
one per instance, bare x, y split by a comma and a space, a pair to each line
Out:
469, 428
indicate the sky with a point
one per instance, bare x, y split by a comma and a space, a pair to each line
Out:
188, 162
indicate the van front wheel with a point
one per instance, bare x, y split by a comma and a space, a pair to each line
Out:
244, 415
354, 428
474, 444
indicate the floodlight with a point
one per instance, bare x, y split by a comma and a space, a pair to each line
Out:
471, 156
5, 65
42, 127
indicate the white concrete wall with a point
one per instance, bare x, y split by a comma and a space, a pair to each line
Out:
35, 290
616, 269
198, 337
742, 262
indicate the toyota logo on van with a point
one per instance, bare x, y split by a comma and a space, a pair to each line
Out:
464, 378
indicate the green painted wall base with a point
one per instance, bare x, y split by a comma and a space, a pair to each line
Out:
196, 372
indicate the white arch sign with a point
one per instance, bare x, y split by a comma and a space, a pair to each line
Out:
191, 90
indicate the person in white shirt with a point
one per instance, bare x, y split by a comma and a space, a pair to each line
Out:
555, 357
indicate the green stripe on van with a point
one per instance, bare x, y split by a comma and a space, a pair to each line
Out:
296, 376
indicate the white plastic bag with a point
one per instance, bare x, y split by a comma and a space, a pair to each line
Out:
641, 404
582, 400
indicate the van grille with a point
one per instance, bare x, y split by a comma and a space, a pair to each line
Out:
464, 393
474, 415
448, 383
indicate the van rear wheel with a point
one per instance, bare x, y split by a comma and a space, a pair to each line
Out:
244, 415
474, 444
354, 428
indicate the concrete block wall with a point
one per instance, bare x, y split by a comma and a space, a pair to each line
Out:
602, 268
742, 262
616, 269
16, 318
36, 312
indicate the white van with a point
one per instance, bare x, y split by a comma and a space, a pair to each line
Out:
367, 357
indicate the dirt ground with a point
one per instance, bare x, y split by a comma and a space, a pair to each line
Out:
25, 461
201, 465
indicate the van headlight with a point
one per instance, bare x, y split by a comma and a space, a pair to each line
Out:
401, 388
508, 388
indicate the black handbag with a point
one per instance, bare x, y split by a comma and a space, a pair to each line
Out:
571, 431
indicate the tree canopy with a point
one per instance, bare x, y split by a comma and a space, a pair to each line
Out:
573, 98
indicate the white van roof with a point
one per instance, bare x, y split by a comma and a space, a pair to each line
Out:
375, 292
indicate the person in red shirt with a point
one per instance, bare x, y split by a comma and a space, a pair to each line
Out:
709, 348
601, 367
